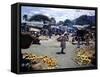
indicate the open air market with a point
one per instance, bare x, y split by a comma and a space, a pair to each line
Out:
50, 43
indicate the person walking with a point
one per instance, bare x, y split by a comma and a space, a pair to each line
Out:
87, 39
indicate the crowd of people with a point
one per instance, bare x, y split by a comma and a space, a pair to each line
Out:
79, 37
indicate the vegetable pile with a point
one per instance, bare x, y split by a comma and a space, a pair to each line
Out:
44, 62
84, 56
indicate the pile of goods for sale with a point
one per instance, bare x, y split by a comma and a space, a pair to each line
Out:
84, 56
40, 62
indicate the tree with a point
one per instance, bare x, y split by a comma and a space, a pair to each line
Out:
39, 17
52, 21
67, 22
25, 17
60, 23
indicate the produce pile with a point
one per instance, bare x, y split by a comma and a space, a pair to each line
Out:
44, 61
84, 56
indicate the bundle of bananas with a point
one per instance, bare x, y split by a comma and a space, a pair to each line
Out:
51, 63
83, 56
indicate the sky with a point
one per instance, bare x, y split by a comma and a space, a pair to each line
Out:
60, 14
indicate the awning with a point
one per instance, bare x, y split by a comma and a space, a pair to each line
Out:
34, 29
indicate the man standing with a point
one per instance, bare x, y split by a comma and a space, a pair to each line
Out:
62, 40
80, 34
